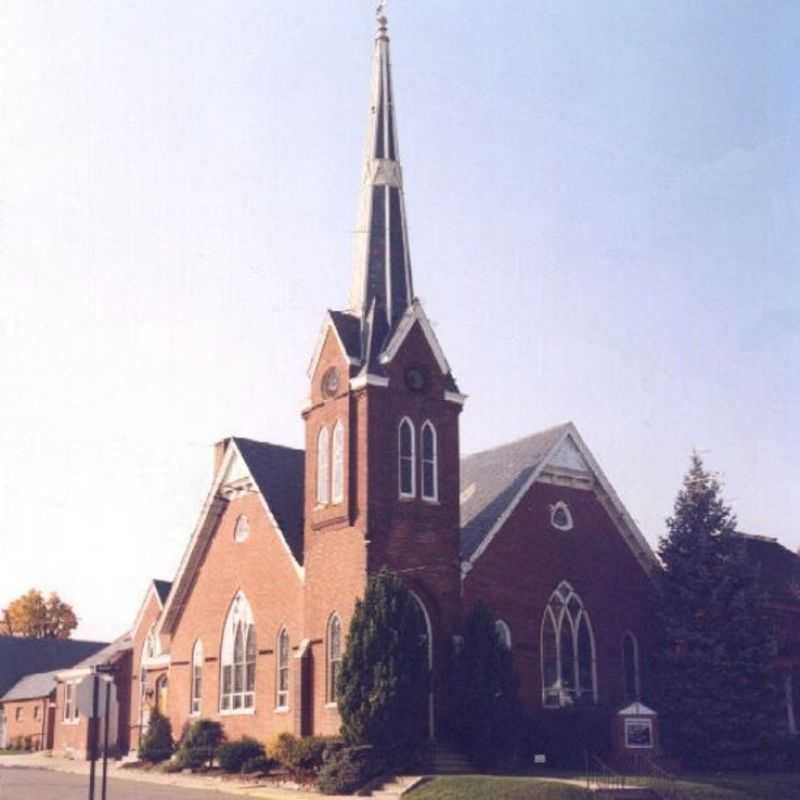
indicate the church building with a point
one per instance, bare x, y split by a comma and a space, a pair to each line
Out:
252, 628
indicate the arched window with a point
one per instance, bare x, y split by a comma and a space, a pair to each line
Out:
197, 677
630, 666
430, 468
561, 516
323, 467
242, 530
238, 658
334, 655
282, 678
406, 457
568, 653
503, 633
337, 483
151, 648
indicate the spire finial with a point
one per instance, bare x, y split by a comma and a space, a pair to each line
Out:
383, 22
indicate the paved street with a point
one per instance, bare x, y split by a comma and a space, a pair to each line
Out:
38, 784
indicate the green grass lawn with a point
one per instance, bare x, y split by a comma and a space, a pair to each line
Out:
693, 787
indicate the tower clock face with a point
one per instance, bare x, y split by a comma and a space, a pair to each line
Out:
416, 379
330, 382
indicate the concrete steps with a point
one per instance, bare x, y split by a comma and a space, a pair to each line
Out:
395, 787
446, 760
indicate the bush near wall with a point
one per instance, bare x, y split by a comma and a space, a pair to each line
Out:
157, 745
199, 743
232, 756
301, 756
348, 768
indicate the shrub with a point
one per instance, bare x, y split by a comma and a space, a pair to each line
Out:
233, 755
301, 756
282, 748
564, 736
257, 764
347, 768
199, 743
156, 745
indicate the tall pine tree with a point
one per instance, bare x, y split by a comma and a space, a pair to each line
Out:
715, 686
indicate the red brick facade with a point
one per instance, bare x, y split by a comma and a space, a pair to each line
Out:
29, 723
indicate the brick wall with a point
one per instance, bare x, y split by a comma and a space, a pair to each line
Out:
28, 719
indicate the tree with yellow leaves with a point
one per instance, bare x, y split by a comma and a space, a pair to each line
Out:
33, 616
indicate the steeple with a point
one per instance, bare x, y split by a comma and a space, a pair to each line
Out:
382, 286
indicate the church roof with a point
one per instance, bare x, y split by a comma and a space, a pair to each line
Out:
280, 474
21, 656
162, 589
491, 479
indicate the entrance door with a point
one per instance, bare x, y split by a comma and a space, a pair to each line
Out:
161, 694
426, 631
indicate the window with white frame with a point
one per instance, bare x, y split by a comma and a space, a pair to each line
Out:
334, 655
337, 481
630, 667
567, 651
20, 714
561, 516
406, 457
151, 643
282, 678
197, 677
37, 710
238, 658
430, 457
323, 466
503, 633
241, 531
70, 703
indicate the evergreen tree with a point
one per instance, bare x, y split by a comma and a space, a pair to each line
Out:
484, 703
382, 689
715, 687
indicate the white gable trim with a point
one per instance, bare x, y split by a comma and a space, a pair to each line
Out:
455, 397
360, 381
150, 591
414, 314
210, 514
326, 324
608, 497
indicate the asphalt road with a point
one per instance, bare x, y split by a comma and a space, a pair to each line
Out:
38, 784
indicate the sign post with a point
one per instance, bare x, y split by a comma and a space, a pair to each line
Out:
96, 698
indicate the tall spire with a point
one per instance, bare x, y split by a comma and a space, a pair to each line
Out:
382, 268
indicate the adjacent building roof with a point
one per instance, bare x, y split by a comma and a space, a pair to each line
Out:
491, 479
280, 475
110, 653
20, 656
778, 568
30, 687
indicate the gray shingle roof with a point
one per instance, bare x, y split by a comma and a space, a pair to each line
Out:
280, 475
162, 589
20, 656
491, 479
778, 567
109, 653
348, 326
40, 684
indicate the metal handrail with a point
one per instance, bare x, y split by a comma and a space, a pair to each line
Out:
600, 776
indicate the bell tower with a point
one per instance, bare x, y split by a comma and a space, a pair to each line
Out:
382, 435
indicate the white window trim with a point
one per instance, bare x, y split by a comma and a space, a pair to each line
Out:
504, 633
337, 463
629, 723
244, 617
401, 458
241, 530
428, 425
74, 716
323, 466
554, 509
282, 707
575, 625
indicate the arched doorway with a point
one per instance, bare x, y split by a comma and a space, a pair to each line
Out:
427, 631
162, 687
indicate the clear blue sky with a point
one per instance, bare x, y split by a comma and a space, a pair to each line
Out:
604, 209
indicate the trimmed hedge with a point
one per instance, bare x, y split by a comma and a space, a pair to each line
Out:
232, 756
299, 755
348, 768
199, 744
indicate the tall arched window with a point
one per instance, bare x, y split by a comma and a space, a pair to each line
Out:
337, 483
241, 531
197, 677
430, 468
334, 655
503, 633
323, 467
238, 658
406, 457
568, 654
630, 666
282, 678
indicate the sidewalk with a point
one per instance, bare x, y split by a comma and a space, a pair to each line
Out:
209, 783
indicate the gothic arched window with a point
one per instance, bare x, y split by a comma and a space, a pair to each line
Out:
430, 467
282, 678
630, 666
334, 648
323, 467
337, 483
406, 458
568, 652
197, 677
238, 658
241, 532
503, 633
